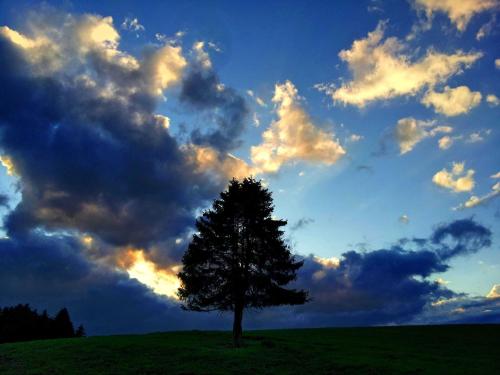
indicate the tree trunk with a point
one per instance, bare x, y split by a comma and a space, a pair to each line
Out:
237, 328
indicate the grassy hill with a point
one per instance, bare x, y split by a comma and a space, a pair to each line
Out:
384, 350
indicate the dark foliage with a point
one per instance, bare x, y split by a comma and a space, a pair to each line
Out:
238, 257
21, 323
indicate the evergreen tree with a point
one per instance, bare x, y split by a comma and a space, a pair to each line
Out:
238, 258
80, 332
62, 324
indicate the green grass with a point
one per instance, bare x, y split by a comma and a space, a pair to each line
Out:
384, 350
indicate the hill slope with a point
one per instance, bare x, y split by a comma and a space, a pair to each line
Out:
384, 350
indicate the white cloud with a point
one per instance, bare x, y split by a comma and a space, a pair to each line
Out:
258, 100
381, 70
497, 63
492, 100
227, 166
487, 28
474, 201
355, 138
458, 11
457, 179
256, 119
477, 136
132, 24
94, 39
494, 292
496, 175
293, 136
445, 142
410, 131
452, 101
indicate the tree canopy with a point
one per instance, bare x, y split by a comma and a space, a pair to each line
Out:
239, 258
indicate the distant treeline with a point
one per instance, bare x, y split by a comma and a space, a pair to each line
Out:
21, 323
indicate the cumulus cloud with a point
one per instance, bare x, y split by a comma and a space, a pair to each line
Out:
445, 142
457, 179
410, 131
293, 136
209, 160
452, 101
382, 70
387, 285
89, 151
459, 12
492, 100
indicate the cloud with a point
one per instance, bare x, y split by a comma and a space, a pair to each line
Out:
132, 24
478, 136
201, 89
387, 286
497, 63
410, 131
301, 223
445, 142
452, 101
492, 100
457, 179
355, 138
293, 136
52, 271
487, 28
494, 292
382, 70
225, 166
474, 201
258, 100
90, 153
404, 219
459, 12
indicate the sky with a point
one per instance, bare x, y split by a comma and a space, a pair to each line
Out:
375, 124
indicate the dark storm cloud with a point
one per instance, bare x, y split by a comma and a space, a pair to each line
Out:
201, 89
387, 285
50, 272
103, 165
460, 237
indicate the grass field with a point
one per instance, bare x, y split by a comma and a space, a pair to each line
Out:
384, 350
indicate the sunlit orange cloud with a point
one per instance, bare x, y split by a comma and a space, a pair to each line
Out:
161, 281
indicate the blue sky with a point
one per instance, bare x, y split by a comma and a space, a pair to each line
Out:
403, 96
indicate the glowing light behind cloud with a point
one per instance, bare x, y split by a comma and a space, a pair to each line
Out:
162, 281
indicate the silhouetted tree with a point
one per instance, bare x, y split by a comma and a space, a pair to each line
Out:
62, 324
21, 323
80, 332
238, 258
